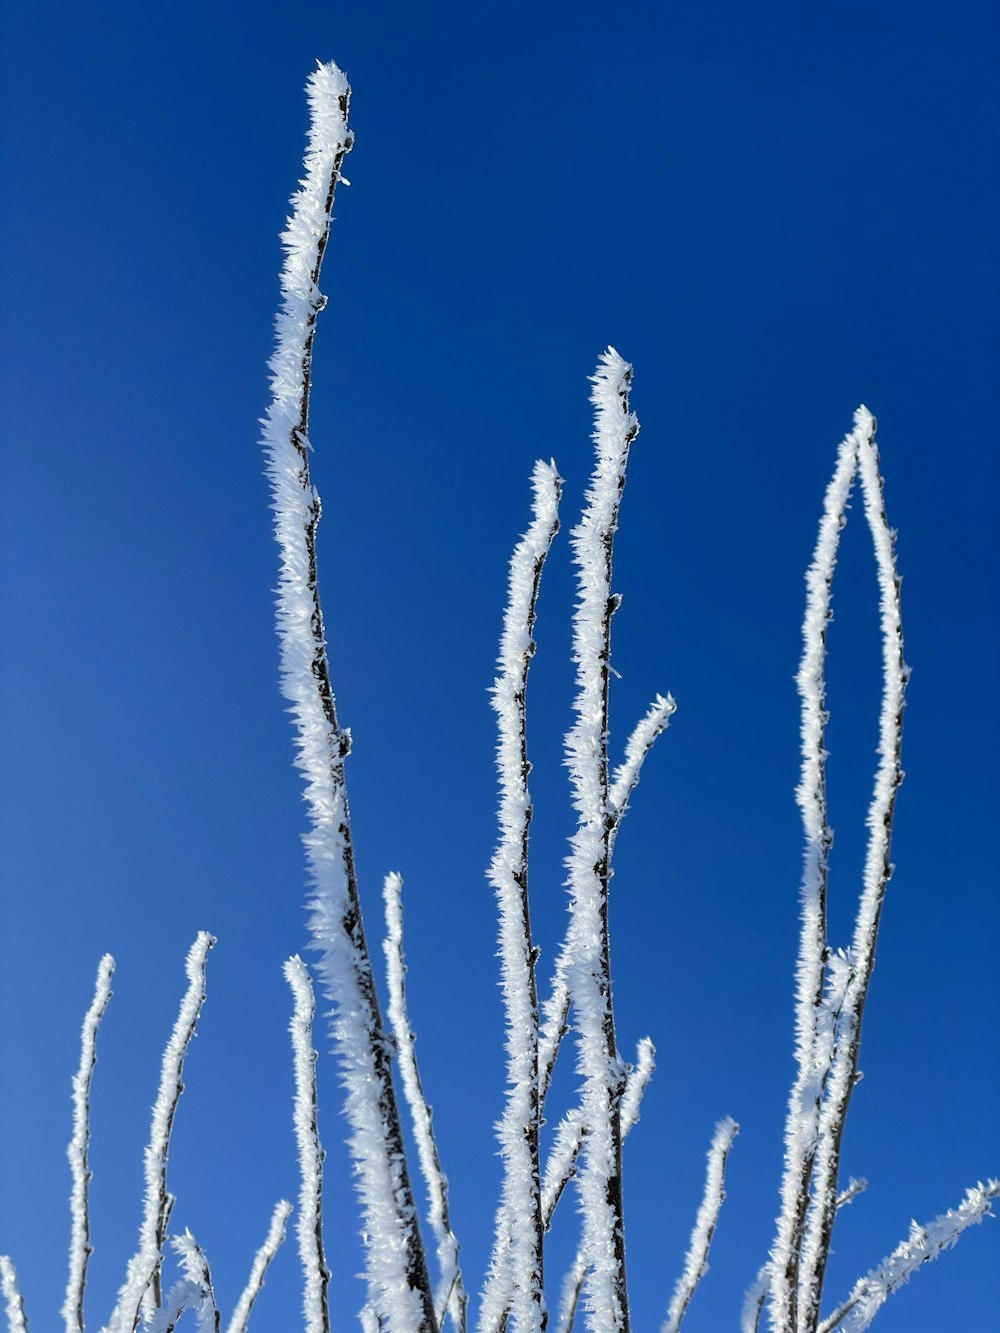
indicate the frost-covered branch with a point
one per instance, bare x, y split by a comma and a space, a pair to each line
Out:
258, 1270
923, 1244
590, 851
140, 1293
396, 1268
696, 1259
843, 1070
804, 1099
80, 1248
514, 1281
13, 1304
309, 1226
451, 1292
753, 1300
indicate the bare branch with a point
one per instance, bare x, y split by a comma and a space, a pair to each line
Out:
309, 1228
140, 1293
80, 1248
451, 1294
258, 1271
14, 1305
921, 1246
397, 1276
696, 1260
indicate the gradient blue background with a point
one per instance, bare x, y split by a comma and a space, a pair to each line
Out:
775, 212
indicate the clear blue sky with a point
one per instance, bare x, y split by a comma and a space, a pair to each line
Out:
775, 212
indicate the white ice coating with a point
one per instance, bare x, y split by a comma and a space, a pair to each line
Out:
451, 1292
309, 1225
803, 1105
258, 1270
569, 1295
696, 1259
513, 1282
923, 1244
586, 758
137, 1290
393, 1247
79, 1236
13, 1304
853, 987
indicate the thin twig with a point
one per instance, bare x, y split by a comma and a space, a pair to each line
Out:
309, 1228
696, 1260
262, 1259
514, 1281
13, 1303
80, 1248
140, 1294
451, 1294
923, 1245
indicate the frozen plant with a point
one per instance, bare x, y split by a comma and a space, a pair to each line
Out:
584, 1151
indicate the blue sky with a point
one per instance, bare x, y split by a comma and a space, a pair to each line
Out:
775, 213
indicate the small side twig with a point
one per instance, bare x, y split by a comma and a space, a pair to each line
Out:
258, 1270
696, 1260
14, 1305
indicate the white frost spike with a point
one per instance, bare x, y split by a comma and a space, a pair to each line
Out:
451, 1293
16, 1322
514, 1282
396, 1270
696, 1259
309, 1228
261, 1262
79, 1240
599, 1179
141, 1289
803, 1105
877, 870
923, 1245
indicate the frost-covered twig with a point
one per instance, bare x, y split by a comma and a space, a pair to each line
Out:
851, 1191
309, 1226
696, 1259
451, 1292
196, 1270
572, 1286
651, 725
80, 1248
590, 848
753, 1300
923, 1244
258, 1271
555, 1010
13, 1304
804, 1099
877, 871
140, 1293
514, 1281
184, 1295
396, 1267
